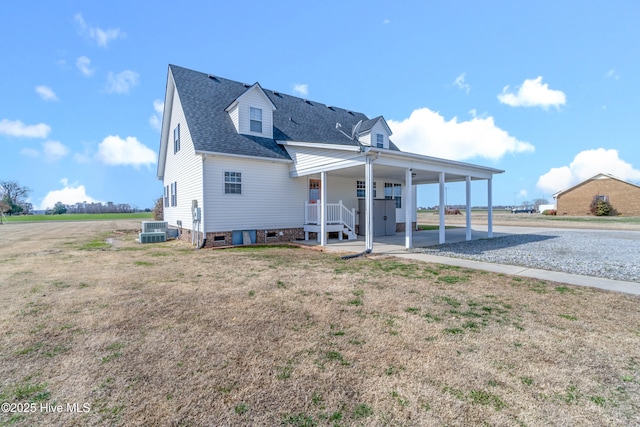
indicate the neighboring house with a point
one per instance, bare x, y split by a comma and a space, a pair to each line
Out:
241, 164
576, 200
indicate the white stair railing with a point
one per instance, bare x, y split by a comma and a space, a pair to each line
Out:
337, 213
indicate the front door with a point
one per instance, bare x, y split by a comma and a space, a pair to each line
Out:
314, 190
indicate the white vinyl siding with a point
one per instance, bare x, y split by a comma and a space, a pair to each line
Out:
269, 199
185, 168
234, 115
308, 160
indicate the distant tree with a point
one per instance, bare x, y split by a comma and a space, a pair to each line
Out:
59, 209
158, 210
26, 207
538, 202
13, 194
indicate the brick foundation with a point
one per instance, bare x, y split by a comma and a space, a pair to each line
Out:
280, 235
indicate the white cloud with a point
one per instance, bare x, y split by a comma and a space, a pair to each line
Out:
426, 132
54, 150
84, 65
585, 165
114, 150
533, 93
30, 152
460, 83
46, 93
156, 119
100, 36
523, 193
301, 89
386, 21
612, 74
19, 129
122, 82
69, 195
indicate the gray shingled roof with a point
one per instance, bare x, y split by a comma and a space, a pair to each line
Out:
205, 97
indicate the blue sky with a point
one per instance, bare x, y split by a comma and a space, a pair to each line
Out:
546, 90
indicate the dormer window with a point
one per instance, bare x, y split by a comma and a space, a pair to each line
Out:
379, 140
255, 117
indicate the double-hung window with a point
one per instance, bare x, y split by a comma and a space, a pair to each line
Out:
255, 119
176, 139
361, 190
166, 196
393, 192
379, 140
233, 183
174, 194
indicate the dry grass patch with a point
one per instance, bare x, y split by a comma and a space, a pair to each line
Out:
163, 335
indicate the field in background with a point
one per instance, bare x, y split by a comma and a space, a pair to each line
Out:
501, 217
79, 217
161, 334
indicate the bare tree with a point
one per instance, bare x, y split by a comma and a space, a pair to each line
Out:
13, 194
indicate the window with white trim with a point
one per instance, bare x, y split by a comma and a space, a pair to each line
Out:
166, 196
174, 194
361, 190
393, 191
176, 139
380, 140
233, 183
255, 119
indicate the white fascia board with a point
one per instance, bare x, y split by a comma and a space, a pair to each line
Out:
166, 119
404, 159
241, 156
321, 145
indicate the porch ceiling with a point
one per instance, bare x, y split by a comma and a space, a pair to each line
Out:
393, 173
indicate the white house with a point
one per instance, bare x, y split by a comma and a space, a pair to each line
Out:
241, 164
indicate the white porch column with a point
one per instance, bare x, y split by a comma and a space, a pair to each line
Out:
408, 209
468, 213
441, 203
368, 212
490, 207
323, 209
414, 192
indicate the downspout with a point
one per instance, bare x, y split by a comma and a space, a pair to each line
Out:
202, 210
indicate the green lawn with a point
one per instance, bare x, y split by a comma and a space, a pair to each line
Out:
79, 217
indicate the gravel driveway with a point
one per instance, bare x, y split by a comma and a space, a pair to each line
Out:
600, 253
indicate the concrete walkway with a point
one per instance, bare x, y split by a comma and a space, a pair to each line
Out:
394, 245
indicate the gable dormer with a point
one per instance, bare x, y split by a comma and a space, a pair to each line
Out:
252, 113
374, 132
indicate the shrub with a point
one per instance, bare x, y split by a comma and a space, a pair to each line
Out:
452, 212
549, 212
601, 207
